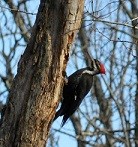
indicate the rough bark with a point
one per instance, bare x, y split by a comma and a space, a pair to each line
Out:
36, 89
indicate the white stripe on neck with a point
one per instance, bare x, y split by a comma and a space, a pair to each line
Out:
88, 72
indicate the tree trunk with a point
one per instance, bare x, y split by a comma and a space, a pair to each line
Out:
36, 89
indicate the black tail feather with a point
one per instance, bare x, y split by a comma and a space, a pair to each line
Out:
58, 113
65, 118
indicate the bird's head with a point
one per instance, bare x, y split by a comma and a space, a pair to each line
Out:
98, 66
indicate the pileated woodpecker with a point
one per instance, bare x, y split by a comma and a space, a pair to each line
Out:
77, 87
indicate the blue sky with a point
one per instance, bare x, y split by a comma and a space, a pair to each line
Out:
64, 140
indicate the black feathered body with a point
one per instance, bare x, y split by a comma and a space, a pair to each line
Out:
78, 86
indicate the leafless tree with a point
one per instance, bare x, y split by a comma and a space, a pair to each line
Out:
108, 115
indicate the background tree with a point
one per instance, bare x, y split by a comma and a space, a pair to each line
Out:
108, 116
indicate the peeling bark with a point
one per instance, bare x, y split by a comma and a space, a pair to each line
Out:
36, 89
